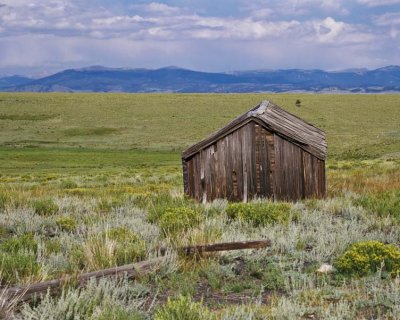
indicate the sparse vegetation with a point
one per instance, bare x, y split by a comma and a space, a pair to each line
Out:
116, 246
18, 258
121, 299
3, 201
66, 223
182, 308
44, 207
260, 213
382, 204
176, 220
72, 203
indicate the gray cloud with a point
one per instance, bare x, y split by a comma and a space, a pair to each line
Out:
296, 7
388, 19
378, 3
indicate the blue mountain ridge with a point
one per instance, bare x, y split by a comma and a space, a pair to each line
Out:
11, 81
175, 79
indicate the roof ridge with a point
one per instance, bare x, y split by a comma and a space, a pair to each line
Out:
259, 109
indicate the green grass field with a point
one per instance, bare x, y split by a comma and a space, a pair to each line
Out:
361, 126
90, 181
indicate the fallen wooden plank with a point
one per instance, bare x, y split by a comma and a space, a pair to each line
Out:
225, 246
27, 293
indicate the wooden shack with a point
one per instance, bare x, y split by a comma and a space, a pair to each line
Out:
265, 153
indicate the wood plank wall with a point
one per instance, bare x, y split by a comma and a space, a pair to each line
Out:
253, 162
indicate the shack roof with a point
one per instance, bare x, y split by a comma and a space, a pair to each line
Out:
273, 119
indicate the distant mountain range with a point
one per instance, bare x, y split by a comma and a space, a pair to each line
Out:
174, 79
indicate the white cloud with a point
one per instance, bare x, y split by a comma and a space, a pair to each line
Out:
211, 28
118, 21
16, 3
47, 16
394, 33
255, 29
161, 8
262, 13
391, 21
295, 7
330, 31
388, 19
332, 6
378, 3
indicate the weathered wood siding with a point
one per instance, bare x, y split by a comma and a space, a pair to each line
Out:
253, 162
298, 174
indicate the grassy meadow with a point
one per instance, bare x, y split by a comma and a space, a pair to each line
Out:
90, 181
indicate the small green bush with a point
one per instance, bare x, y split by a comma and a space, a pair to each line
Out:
5, 232
273, 278
68, 184
4, 199
129, 245
118, 313
176, 220
52, 245
122, 234
364, 258
25, 242
76, 258
158, 203
128, 248
381, 204
182, 308
18, 258
16, 266
66, 223
260, 213
107, 205
44, 207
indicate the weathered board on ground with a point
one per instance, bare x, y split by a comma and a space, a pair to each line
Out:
15, 295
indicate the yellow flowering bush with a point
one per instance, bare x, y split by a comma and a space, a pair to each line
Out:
366, 257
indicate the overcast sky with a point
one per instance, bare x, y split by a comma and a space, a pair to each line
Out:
44, 36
